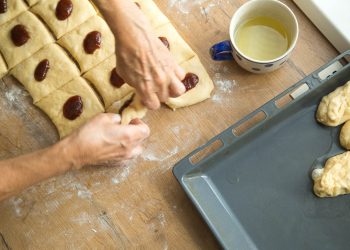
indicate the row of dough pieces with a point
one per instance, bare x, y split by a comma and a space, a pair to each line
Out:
334, 178
63, 78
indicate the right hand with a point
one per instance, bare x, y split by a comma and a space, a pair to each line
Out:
103, 139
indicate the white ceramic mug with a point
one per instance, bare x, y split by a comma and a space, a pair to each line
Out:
228, 50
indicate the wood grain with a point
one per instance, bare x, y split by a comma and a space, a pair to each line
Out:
139, 203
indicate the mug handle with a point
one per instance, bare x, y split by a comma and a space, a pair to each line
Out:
222, 51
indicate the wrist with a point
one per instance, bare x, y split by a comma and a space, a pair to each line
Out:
69, 154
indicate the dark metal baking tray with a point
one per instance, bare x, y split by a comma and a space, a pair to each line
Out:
255, 192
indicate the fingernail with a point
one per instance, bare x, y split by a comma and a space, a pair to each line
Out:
116, 118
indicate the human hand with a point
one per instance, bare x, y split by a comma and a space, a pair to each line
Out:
143, 61
103, 139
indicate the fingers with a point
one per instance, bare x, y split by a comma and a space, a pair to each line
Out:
176, 88
149, 99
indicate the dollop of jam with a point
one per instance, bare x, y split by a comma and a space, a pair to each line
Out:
138, 5
165, 41
73, 108
3, 6
92, 42
19, 35
41, 70
64, 9
115, 79
190, 81
126, 104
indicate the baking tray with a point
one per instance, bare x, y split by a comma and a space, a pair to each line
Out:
255, 192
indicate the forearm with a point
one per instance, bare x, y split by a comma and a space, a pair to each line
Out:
24, 171
123, 17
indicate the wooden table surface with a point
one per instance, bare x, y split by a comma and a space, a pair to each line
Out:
140, 203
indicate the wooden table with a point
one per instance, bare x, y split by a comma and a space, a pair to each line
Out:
140, 203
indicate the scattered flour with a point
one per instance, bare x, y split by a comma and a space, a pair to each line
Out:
13, 92
122, 176
185, 6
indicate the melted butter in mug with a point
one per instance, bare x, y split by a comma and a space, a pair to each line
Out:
262, 38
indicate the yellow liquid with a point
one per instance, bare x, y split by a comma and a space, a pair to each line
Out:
262, 38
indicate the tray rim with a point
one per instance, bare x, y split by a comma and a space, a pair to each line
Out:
184, 166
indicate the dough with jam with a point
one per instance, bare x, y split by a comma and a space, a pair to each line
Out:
39, 37
14, 8
200, 92
179, 49
53, 104
62, 70
3, 67
153, 13
100, 79
134, 110
334, 178
74, 43
82, 11
334, 108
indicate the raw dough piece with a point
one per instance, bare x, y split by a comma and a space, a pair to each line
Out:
82, 11
334, 178
199, 93
153, 13
14, 8
32, 2
334, 108
62, 70
133, 111
100, 78
53, 104
3, 67
116, 106
39, 37
178, 47
74, 43
345, 135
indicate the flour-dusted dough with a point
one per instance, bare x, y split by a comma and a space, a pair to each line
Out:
117, 105
199, 93
53, 104
100, 78
46, 9
32, 2
133, 111
178, 47
153, 13
3, 67
74, 43
14, 8
39, 37
334, 108
345, 135
62, 70
334, 178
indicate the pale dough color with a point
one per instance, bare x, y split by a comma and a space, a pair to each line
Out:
32, 2
14, 8
334, 108
153, 13
39, 37
178, 47
100, 79
117, 105
134, 110
53, 104
3, 67
62, 70
198, 94
334, 178
82, 10
74, 43
345, 135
